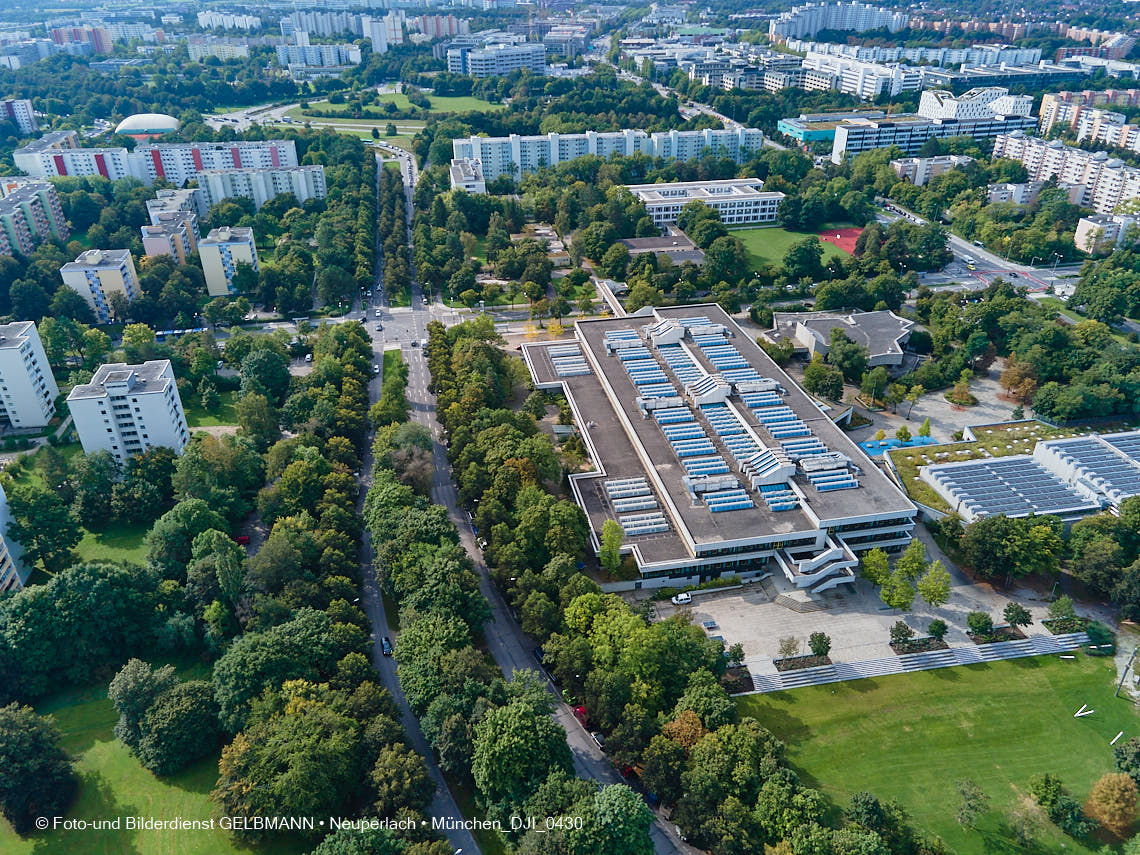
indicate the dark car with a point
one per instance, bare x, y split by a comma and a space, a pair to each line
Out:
539, 653
386, 646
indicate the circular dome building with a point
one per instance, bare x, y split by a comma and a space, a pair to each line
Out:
145, 125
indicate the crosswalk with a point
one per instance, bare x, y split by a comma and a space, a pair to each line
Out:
1038, 645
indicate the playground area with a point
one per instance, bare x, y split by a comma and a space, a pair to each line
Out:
843, 238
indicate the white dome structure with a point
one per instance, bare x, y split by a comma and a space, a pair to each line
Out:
147, 124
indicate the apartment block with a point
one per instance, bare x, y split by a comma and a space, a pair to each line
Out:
175, 234
126, 409
220, 252
201, 47
1104, 181
19, 111
919, 170
495, 60
13, 573
190, 201
27, 386
97, 275
1099, 232
738, 201
211, 20
318, 56
467, 175
944, 56
30, 214
516, 155
261, 185
805, 21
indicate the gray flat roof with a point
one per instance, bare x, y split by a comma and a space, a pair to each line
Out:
879, 332
148, 378
14, 334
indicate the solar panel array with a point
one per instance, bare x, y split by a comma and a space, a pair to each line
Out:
781, 421
680, 363
722, 355
629, 496
683, 432
705, 466
1014, 486
727, 500
1110, 463
568, 360
780, 497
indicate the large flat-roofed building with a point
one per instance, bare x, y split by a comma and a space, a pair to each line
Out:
919, 170
820, 127
57, 153
19, 111
883, 333
910, 132
263, 184
190, 201
809, 19
711, 458
174, 234
467, 174
1069, 478
27, 386
126, 409
98, 275
739, 201
221, 251
495, 60
516, 155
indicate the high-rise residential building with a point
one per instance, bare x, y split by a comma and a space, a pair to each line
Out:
394, 26
495, 60
20, 111
211, 20
189, 201
58, 153
98, 275
174, 234
126, 409
979, 55
319, 56
201, 47
440, 26
374, 30
27, 386
30, 214
1098, 232
1104, 182
13, 573
805, 21
738, 201
516, 155
220, 252
181, 162
261, 185
919, 170
467, 175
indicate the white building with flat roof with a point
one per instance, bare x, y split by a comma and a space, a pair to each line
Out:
515, 155
13, 572
190, 201
220, 252
467, 174
738, 201
97, 275
495, 60
126, 409
174, 234
981, 102
27, 386
261, 185
19, 110
807, 20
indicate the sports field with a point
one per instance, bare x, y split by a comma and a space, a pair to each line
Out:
843, 238
912, 736
768, 246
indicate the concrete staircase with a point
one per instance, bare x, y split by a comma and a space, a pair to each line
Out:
1037, 645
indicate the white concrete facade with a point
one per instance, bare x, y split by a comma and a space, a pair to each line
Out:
27, 387
261, 185
126, 409
738, 201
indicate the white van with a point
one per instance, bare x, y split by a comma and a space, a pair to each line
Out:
682, 599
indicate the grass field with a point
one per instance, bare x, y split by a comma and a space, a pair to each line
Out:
112, 784
196, 417
121, 542
768, 246
911, 737
439, 104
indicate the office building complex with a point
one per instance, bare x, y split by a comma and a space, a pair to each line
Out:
941, 114
126, 409
711, 458
27, 386
174, 233
806, 21
738, 201
20, 112
820, 127
865, 80
97, 275
495, 60
221, 251
261, 185
57, 154
516, 155
1104, 181
30, 214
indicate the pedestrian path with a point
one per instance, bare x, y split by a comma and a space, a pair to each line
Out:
1037, 645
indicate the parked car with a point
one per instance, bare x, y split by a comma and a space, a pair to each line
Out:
599, 740
375, 369
539, 653
386, 646
308, 357
376, 313
682, 599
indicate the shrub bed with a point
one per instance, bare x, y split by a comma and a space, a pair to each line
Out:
1060, 626
1000, 633
919, 645
796, 663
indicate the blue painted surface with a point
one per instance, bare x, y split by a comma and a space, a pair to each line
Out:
875, 447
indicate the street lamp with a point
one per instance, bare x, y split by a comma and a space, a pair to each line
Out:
1056, 258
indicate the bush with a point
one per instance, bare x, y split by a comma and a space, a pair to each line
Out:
1059, 805
901, 632
820, 643
1062, 608
980, 624
937, 629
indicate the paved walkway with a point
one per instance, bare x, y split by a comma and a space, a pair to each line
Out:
1038, 645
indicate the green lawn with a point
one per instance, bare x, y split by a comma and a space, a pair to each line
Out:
910, 737
439, 104
197, 417
768, 246
112, 784
121, 542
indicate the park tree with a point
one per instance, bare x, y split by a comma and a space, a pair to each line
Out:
44, 526
980, 624
924, 428
934, 586
662, 764
788, 647
1017, 615
875, 566
707, 698
901, 632
266, 372
823, 379
180, 727
516, 747
850, 358
912, 562
170, 541
898, 592
257, 419
94, 477
132, 691
937, 629
972, 802
819, 643
1001, 546
38, 779
1112, 802
400, 779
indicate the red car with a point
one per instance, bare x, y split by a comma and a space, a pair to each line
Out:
243, 539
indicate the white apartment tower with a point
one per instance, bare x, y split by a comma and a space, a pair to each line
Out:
27, 386
20, 112
220, 252
98, 274
126, 409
